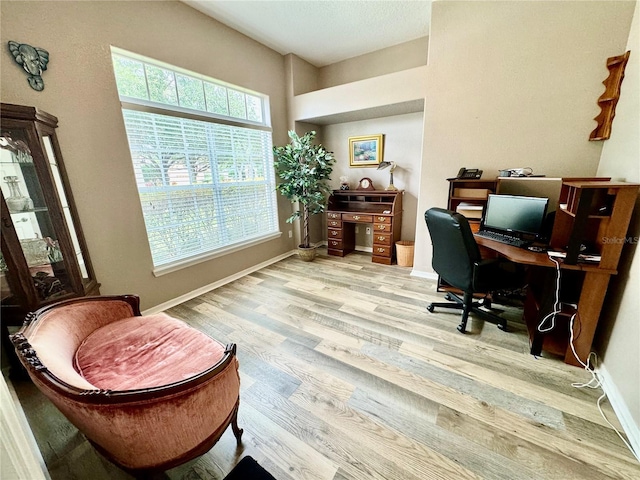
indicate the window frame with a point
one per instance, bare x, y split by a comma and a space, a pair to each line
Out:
128, 103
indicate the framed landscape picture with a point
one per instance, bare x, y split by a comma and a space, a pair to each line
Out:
365, 151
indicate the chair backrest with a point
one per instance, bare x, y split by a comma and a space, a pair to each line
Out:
454, 247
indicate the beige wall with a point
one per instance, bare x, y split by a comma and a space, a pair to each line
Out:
514, 84
621, 159
402, 144
304, 76
80, 90
392, 59
402, 91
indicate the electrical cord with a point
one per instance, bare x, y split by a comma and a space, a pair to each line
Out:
595, 381
556, 305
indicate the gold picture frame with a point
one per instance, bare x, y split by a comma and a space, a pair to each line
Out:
366, 151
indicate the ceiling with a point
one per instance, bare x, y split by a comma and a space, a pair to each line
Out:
323, 32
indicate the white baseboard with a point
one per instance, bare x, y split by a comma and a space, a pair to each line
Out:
629, 426
428, 275
207, 288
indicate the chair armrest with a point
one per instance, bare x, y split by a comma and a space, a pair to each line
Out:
485, 262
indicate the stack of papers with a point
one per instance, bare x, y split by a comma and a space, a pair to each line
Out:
470, 210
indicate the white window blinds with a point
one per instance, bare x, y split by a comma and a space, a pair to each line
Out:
205, 185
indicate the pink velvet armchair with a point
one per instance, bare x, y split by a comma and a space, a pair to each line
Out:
149, 392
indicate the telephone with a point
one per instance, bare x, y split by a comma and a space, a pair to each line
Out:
469, 173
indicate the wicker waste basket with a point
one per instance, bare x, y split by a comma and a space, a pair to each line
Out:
404, 253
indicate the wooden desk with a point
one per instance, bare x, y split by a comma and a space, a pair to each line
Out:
583, 285
592, 213
538, 259
382, 209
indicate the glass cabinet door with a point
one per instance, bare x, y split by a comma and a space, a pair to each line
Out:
66, 207
44, 256
30, 216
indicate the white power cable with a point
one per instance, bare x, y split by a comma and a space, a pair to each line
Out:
595, 382
556, 304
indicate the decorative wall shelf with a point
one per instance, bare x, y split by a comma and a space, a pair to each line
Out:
608, 100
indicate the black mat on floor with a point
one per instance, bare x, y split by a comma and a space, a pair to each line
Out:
248, 469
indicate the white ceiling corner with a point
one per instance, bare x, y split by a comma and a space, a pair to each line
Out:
323, 32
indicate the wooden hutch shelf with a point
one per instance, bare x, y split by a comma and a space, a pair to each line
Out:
469, 197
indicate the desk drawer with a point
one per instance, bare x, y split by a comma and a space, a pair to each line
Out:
382, 251
380, 239
334, 215
381, 219
334, 223
335, 244
357, 217
334, 233
382, 228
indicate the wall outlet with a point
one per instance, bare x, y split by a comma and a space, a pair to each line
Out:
368, 230
290, 234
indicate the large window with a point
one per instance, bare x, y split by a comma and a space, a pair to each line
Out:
203, 161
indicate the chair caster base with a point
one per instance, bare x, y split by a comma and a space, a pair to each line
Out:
462, 328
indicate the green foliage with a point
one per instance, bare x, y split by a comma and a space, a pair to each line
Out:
130, 77
142, 80
304, 169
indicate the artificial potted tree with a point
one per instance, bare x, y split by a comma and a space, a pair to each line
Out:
304, 170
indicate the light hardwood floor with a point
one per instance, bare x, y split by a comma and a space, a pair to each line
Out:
345, 375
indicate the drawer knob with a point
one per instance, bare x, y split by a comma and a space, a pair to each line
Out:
356, 217
381, 239
381, 219
383, 227
381, 250
334, 233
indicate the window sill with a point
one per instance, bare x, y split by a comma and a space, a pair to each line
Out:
205, 257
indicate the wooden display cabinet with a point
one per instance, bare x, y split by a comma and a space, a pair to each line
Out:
44, 254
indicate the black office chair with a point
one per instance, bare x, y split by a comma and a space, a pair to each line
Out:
457, 259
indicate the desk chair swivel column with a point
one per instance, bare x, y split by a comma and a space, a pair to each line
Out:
457, 259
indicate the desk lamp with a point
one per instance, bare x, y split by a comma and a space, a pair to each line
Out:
392, 166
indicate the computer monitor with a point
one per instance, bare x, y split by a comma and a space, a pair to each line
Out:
515, 215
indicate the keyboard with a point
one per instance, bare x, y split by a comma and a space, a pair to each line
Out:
502, 238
